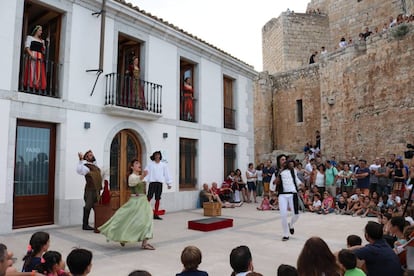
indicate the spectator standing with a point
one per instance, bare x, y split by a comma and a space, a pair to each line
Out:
362, 176
259, 182
251, 177
373, 178
330, 178
268, 171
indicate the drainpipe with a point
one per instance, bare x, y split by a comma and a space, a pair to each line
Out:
99, 71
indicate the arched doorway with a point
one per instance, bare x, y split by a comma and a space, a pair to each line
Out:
124, 147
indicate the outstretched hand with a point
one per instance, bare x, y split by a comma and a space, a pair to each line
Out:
80, 154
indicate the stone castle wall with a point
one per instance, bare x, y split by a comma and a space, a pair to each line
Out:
301, 84
348, 18
372, 91
361, 98
289, 40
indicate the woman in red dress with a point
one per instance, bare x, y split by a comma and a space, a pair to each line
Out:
188, 100
35, 73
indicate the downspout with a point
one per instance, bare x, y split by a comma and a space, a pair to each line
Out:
99, 71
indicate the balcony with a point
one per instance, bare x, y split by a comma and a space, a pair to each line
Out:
127, 96
39, 76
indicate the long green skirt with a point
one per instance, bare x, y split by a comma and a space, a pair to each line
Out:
132, 222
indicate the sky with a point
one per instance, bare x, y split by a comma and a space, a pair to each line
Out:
234, 26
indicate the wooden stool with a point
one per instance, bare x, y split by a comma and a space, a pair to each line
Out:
212, 209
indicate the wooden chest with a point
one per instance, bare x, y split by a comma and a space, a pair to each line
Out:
212, 209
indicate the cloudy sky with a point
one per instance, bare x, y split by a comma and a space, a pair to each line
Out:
235, 26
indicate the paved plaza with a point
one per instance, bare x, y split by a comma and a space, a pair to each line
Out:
261, 231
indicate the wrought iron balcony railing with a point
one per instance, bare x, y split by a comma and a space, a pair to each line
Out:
127, 91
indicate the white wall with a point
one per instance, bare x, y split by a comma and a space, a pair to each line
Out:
160, 57
8, 45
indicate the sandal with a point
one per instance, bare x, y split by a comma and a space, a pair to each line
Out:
148, 247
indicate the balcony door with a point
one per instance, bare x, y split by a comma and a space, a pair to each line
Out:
47, 68
34, 174
124, 148
128, 49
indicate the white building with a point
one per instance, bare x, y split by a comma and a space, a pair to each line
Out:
45, 126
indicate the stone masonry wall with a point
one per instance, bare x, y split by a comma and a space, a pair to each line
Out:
263, 119
289, 40
372, 91
301, 84
348, 18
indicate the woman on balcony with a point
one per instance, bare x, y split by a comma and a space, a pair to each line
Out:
34, 72
136, 95
188, 96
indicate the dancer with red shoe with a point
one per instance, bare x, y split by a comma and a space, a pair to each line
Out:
157, 174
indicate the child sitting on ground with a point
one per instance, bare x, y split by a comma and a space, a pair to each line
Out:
372, 209
341, 205
316, 204
79, 262
348, 260
52, 264
265, 205
274, 202
327, 204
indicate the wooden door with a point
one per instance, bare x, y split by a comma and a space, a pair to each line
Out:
124, 148
34, 174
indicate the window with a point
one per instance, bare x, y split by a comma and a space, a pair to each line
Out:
228, 102
188, 154
39, 72
229, 159
299, 111
187, 93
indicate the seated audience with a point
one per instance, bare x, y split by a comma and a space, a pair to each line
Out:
380, 259
274, 201
241, 260
397, 230
39, 243
327, 204
316, 259
139, 273
79, 262
191, 259
348, 260
316, 204
52, 264
286, 270
341, 205
265, 204
353, 240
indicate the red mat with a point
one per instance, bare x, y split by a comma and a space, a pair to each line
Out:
210, 224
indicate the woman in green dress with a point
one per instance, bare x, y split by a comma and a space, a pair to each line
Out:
133, 221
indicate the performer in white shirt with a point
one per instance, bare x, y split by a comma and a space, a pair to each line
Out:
287, 182
157, 174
